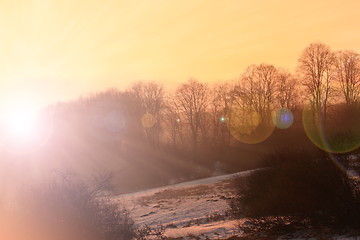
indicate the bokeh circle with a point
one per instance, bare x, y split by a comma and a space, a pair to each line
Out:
148, 120
283, 118
248, 125
337, 132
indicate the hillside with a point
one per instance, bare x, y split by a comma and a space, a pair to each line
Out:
198, 210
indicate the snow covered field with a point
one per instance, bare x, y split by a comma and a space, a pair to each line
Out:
193, 210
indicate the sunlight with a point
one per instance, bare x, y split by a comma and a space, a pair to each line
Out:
20, 122
20, 119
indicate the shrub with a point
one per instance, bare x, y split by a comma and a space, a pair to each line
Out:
78, 211
299, 183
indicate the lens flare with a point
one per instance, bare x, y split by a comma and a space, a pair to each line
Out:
25, 134
336, 134
24, 126
148, 120
249, 126
21, 123
283, 118
340, 159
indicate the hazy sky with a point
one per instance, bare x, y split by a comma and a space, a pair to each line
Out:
60, 49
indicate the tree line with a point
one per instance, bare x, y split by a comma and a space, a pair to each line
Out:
196, 114
210, 124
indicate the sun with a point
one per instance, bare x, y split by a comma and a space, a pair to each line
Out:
20, 120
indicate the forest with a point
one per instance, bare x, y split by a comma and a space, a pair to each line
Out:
198, 129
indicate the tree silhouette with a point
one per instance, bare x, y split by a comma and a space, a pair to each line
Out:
151, 103
316, 69
192, 99
348, 74
257, 89
287, 91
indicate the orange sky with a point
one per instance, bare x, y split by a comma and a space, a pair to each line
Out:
60, 49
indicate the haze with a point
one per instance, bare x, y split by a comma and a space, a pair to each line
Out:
63, 49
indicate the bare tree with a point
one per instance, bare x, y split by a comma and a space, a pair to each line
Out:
173, 123
151, 100
221, 99
286, 90
316, 68
257, 88
348, 74
192, 101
